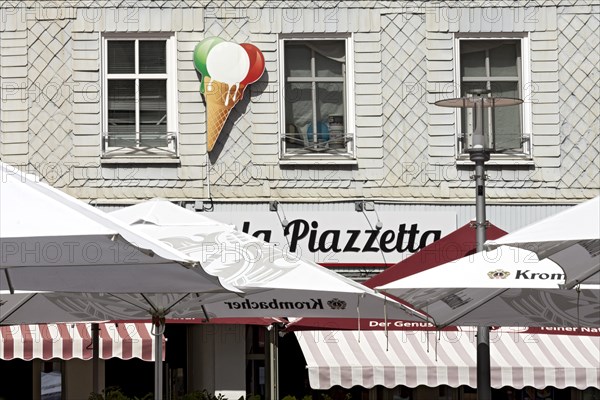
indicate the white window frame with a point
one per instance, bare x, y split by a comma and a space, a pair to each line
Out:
171, 150
349, 122
526, 86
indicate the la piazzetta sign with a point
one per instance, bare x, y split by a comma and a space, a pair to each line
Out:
345, 238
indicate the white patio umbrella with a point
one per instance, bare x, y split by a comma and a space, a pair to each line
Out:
271, 283
570, 238
500, 287
52, 242
274, 283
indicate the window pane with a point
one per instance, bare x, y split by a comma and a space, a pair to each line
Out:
297, 60
153, 57
51, 380
503, 60
507, 120
121, 112
330, 107
472, 58
121, 56
298, 113
153, 113
329, 58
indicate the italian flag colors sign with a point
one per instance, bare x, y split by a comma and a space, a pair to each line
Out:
227, 68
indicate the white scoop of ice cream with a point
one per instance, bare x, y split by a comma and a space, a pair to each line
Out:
229, 63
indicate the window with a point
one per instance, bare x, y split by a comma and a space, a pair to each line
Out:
316, 103
138, 95
256, 349
497, 66
51, 379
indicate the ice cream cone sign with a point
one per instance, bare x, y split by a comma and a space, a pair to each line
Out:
227, 68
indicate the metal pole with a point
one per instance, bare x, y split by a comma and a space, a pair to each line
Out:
158, 365
479, 152
484, 391
480, 156
480, 203
95, 357
273, 364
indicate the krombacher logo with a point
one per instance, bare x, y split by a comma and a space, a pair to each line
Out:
498, 274
311, 304
336, 304
525, 274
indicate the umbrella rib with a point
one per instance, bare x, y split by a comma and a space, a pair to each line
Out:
130, 302
205, 313
149, 303
10, 285
168, 309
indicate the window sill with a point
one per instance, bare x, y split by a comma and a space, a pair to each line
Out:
120, 158
500, 160
317, 160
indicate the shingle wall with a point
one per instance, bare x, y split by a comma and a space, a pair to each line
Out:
579, 91
403, 62
13, 88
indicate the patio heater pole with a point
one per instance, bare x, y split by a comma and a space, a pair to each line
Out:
479, 153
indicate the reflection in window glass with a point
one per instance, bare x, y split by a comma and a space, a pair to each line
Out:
297, 61
51, 380
153, 112
153, 57
255, 360
121, 112
121, 57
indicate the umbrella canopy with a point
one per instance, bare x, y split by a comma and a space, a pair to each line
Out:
275, 283
51, 241
453, 246
267, 281
571, 239
499, 288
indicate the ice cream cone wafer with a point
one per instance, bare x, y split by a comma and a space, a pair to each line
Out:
220, 99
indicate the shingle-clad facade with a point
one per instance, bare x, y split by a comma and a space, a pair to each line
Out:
402, 61
399, 172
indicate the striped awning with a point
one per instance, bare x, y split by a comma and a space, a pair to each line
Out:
350, 358
74, 340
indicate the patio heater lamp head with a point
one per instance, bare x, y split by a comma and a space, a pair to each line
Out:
480, 148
